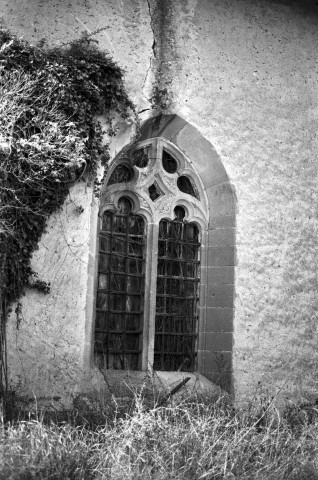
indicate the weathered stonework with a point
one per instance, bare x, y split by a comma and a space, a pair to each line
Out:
244, 74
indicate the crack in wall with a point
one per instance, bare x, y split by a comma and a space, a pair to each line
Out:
154, 43
164, 61
148, 84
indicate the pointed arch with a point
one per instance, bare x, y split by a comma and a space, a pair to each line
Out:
215, 197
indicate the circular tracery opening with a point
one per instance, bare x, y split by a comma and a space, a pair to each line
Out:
168, 162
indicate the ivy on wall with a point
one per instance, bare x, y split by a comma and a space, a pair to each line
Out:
50, 138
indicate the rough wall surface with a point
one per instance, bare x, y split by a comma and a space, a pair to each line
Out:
122, 28
46, 349
245, 74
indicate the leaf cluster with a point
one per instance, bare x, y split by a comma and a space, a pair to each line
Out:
49, 139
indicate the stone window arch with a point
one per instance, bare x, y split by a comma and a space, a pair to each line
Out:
179, 195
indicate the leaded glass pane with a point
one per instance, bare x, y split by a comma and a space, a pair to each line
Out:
177, 294
119, 304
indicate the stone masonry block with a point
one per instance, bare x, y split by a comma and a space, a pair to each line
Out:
200, 150
171, 128
222, 236
217, 342
220, 295
153, 126
219, 319
218, 362
221, 255
222, 200
226, 221
220, 275
201, 339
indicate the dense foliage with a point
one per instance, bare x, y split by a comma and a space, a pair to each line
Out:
49, 139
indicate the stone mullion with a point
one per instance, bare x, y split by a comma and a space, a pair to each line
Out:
150, 299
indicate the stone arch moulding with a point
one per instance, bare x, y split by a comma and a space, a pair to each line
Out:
213, 210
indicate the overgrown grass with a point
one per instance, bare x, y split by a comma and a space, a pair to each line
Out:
189, 440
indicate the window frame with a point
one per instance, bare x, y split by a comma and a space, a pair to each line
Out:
153, 212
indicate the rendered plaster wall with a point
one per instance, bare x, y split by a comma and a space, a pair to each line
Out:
121, 27
244, 73
46, 349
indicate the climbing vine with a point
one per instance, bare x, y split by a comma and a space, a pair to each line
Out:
50, 138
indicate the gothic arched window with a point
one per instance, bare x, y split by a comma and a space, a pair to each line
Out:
153, 222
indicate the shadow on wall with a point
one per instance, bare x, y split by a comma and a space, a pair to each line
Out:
309, 7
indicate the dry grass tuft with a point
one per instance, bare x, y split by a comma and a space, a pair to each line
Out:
191, 440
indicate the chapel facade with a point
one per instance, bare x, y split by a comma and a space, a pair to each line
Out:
199, 256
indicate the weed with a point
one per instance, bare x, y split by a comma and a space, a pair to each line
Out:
201, 439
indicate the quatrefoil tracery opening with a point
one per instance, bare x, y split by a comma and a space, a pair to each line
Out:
155, 192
